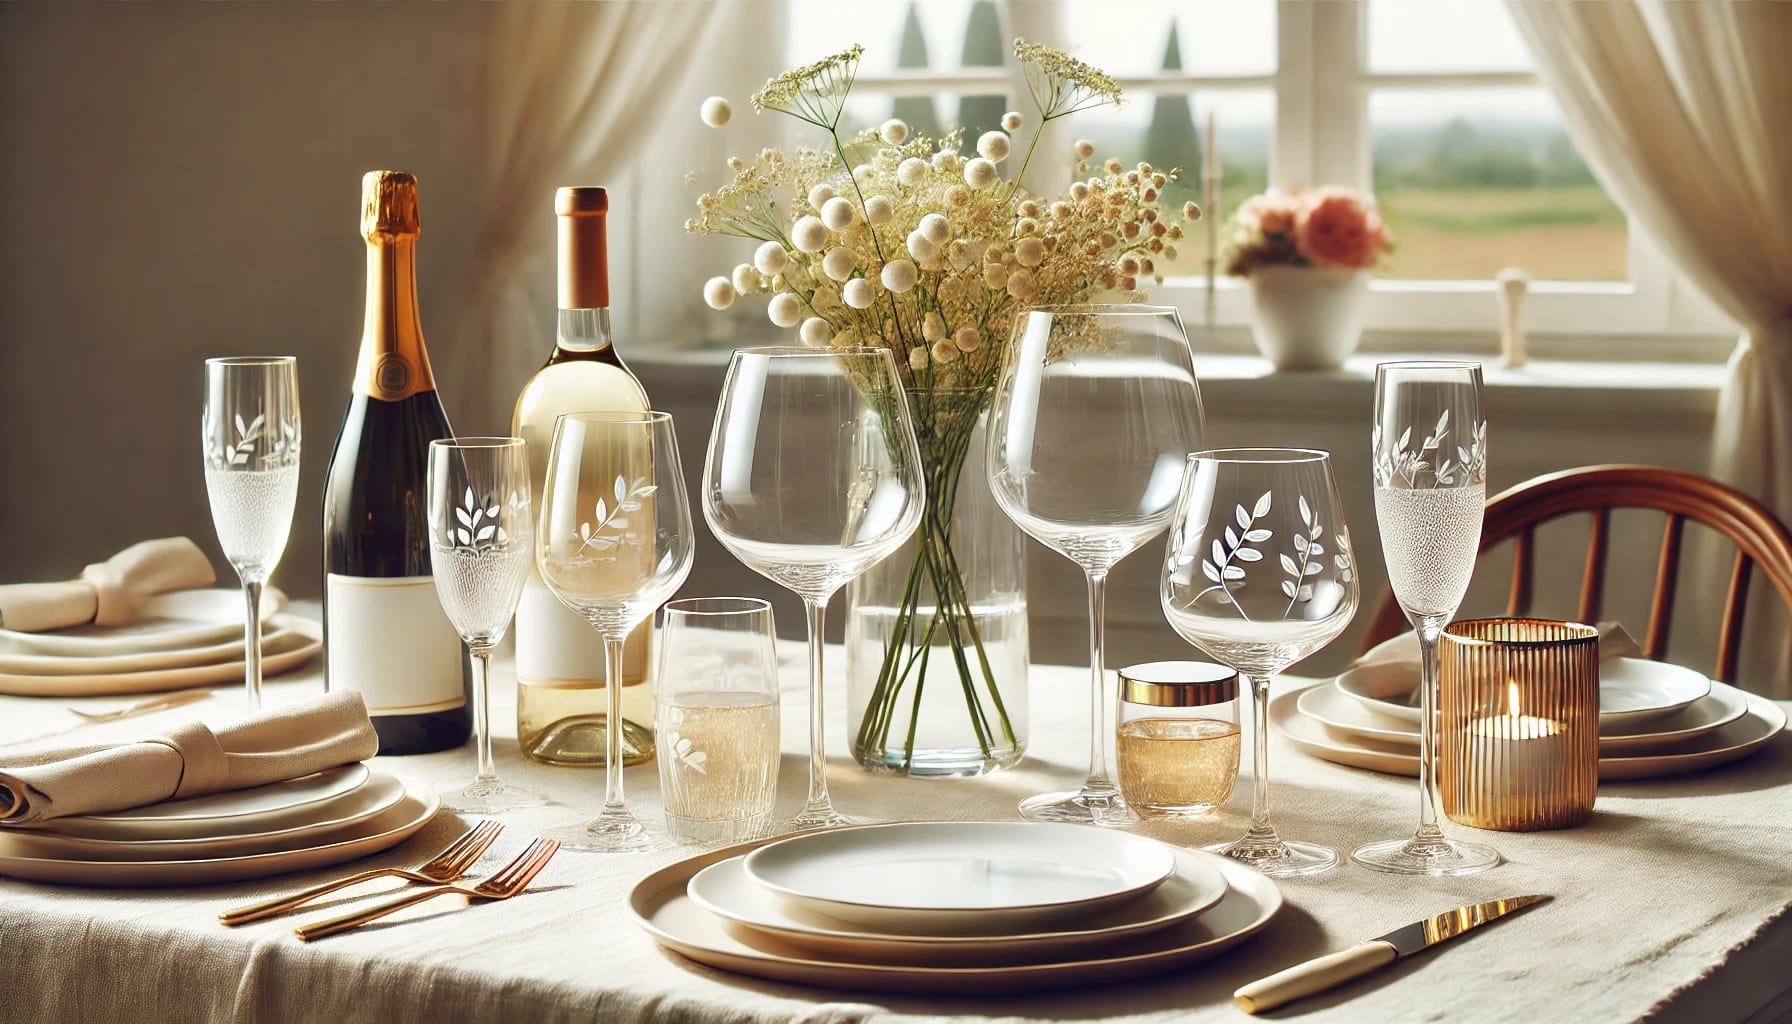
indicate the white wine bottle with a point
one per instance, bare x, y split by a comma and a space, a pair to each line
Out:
560, 704
385, 633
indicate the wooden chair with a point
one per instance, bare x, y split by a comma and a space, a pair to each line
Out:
1760, 540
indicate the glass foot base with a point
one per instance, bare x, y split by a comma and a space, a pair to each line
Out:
1279, 859
491, 797
1433, 857
613, 833
822, 816
1080, 807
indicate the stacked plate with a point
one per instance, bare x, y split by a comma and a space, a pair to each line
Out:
186, 638
954, 907
327, 818
1655, 719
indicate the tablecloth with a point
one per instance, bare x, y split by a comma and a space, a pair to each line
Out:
1670, 903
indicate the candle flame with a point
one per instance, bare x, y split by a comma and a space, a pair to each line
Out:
1512, 699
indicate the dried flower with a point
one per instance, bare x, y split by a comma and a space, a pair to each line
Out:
1060, 83
993, 146
935, 227
1021, 285
819, 195
967, 339
838, 213
771, 259
912, 172
894, 131
859, 293
1029, 252
718, 293
899, 276
958, 197
980, 173
879, 209
1011, 121
809, 234
917, 359
838, 263
932, 327
745, 278
816, 92
1084, 149
920, 246
944, 352
1190, 211
715, 111
815, 332
785, 309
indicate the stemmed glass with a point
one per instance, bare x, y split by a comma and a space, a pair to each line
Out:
1429, 455
250, 436
481, 542
1095, 412
615, 542
1259, 574
812, 477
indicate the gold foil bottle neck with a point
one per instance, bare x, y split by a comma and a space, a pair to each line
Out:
388, 204
584, 255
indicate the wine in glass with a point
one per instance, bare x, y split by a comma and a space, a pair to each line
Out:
1429, 456
813, 476
615, 542
481, 548
250, 435
1259, 574
1094, 414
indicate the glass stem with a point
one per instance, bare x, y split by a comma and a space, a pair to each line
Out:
482, 711
1260, 829
818, 765
1429, 834
1101, 707
613, 802
252, 643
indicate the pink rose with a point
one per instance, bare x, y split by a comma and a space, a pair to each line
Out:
1337, 228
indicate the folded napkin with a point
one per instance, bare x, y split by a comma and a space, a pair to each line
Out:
1614, 642
189, 760
110, 593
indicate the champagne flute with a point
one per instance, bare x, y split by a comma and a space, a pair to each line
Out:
250, 436
1429, 455
813, 476
615, 542
1094, 414
481, 546
1259, 574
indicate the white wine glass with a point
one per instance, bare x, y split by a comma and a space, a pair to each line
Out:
250, 435
1094, 414
813, 476
1260, 574
481, 547
1429, 457
615, 542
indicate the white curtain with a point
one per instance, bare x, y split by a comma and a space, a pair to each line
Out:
1684, 111
576, 92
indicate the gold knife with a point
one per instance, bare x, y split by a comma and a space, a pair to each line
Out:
1337, 968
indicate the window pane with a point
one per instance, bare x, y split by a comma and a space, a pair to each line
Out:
937, 34
1471, 181
930, 113
1135, 38
1164, 130
1458, 35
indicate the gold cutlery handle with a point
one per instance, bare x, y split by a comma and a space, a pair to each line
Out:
319, 929
1314, 976
292, 901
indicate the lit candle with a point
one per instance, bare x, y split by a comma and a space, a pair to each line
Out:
1527, 758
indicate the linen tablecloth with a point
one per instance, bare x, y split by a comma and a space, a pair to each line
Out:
1671, 902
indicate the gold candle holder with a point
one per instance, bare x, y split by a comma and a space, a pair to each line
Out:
1518, 723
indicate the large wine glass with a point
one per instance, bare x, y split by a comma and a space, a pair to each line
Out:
1429, 456
813, 476
481, 547
1259, 574
1094, 414
615, 542
250, 436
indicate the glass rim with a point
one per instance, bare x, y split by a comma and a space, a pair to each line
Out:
611, 416
1102, 309
688, 606
1429, 364
1293, 456
1574, 633
476, 442
250, 360
787, 351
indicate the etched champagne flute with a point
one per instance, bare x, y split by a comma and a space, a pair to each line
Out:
813, 476
1094, 414
481, 547
614, 542
250, 436
1259, 574
1429, 457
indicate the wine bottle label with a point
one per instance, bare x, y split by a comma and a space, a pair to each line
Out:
390, 640
557, 647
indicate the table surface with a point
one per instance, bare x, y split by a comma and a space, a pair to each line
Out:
1669, 904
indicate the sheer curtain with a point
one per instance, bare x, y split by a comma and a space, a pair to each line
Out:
1684, 110
576, 92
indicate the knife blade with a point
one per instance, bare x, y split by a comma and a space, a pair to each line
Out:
1337, 968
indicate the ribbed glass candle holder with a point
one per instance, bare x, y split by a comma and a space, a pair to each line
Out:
1518, 723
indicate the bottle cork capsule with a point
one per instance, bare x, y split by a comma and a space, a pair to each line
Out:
388, 204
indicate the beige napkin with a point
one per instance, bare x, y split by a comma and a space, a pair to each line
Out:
1614, 642
110, 593
189, 760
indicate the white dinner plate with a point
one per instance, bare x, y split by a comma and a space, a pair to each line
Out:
296, 641
964, 877
1723, 745
1631, 690
66, 839
725, 889
261, 800
662, 906
273, 632
177, 619
382, 831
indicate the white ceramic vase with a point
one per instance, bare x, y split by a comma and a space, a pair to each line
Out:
1307, 318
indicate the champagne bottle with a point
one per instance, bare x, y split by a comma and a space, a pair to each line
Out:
561, 704
385, 633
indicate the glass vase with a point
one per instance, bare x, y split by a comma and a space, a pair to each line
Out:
936, 634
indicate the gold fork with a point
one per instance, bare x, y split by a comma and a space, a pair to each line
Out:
509, 880
450, 864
